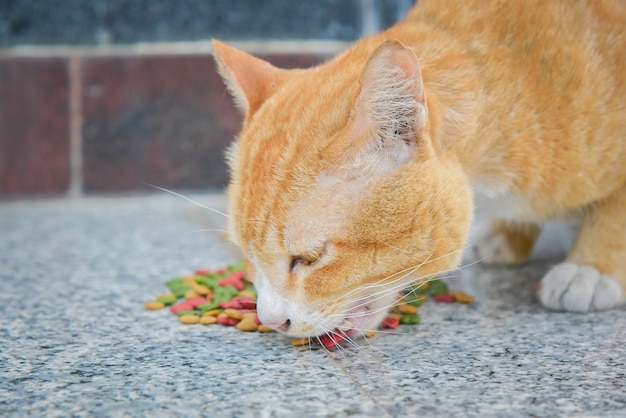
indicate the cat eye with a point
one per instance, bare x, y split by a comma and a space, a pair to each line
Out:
306, 259
298, 260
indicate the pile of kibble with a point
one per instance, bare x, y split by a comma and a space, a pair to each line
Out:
225, 297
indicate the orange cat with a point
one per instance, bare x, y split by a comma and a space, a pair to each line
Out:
354, 178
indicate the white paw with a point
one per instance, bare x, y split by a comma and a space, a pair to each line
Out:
571, 287
495, 249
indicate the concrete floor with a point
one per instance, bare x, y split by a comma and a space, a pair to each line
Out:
76, 341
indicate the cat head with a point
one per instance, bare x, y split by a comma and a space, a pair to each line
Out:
339, 197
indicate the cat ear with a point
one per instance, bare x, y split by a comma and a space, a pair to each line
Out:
250, 80
391, 106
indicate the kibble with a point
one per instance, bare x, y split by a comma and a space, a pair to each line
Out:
189, 319
407, 309
167, 300
154, 305
234, 314
214, 312
208, 320
444, 297
296, 342
247, 323
191, 294
462, 297
225, 297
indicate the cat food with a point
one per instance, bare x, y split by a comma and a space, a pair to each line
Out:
225, 297
332, 339
444, 297
208, 320
462, 297
300, 341
189, 319
154, 305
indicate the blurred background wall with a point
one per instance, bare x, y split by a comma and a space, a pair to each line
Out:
102, 96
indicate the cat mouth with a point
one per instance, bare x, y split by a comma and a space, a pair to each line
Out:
366, 317
359, 321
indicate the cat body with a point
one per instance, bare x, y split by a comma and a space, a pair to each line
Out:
354, 178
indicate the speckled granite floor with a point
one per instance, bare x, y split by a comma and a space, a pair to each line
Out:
75, 340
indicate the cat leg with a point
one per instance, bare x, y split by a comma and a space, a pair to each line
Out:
594, 276
506, 242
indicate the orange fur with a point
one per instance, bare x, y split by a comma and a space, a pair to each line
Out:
348, 173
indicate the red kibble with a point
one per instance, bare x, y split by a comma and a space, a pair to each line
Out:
537, 285
202, 272
185, 305
225, 320
390, 322
445, 298
235, 280
332, 339
239, 302
195, 302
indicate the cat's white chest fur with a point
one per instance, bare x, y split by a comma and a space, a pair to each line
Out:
498, 203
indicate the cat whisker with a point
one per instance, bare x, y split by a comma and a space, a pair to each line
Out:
402, 250
208, 230
189, 200
386, 289
368, 299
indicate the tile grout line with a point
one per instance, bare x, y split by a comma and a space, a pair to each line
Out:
76, 126
370, 22
175, 48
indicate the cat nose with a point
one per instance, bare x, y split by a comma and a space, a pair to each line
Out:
278, 325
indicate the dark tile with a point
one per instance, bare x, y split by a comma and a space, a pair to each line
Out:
129, 21
34, 126
159, 120
389, 12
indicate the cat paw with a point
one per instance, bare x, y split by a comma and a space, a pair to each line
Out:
575, 288
495, 248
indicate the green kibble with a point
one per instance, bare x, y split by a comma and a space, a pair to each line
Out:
194, 312
415, 289
209, 281
237, 266
167, 300
180, 291
437, 287
174, 282
410, 319
415, 301
225, 293
177, 287
208, 306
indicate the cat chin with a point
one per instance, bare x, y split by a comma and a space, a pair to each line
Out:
366, 317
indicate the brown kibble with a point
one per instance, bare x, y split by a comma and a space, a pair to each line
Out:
191, 294
166, 295
462, 297
407, 309
200, 289
248, 294
263, 328
370, 334
247, 325
154, 305
300, 341
233, 313
214, 312
189, 280
208, 320
394, 315
189, 319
